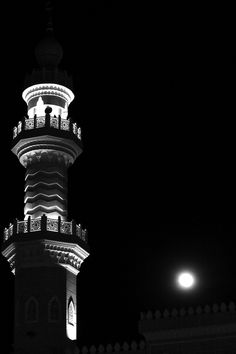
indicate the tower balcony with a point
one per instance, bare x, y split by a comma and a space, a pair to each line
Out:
47, 135
45, 224
47, 122
45, 242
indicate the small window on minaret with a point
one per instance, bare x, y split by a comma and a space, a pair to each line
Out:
31, 310
71, 312
53, 310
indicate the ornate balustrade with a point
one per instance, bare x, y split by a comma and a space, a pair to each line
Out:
47, 120
45, 224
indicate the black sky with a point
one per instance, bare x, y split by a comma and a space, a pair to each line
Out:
155, 185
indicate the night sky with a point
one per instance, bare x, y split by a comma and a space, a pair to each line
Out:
155, 185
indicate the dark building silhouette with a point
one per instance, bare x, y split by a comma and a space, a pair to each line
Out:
45, 250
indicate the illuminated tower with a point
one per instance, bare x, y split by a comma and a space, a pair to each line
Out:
46, 250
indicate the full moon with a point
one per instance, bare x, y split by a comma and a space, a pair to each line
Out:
185, 280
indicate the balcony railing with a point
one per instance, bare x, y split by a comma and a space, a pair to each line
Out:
47, 120
45, 224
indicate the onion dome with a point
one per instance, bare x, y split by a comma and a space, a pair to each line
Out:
48, 54
48, 51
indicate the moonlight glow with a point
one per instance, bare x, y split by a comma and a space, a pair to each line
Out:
185, 280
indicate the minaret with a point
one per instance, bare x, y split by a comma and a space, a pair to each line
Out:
46, 250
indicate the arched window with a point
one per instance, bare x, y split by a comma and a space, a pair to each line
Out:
54, 310
71, 312
71, 327
31, 310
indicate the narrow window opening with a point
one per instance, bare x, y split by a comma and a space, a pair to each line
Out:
54, 310
71, 327
31, 310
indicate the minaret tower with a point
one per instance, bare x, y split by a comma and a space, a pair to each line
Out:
46, 250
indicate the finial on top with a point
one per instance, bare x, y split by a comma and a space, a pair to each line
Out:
48, 9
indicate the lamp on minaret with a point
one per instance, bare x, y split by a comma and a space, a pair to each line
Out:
46, 250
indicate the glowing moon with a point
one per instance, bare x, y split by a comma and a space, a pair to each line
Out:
186, 280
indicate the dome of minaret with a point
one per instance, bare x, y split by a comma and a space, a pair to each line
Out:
48, 86
49, 51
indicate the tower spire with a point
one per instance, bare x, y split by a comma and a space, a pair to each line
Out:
49, 51
49, 9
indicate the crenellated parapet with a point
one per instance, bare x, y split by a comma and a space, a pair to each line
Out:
202, 313
42, 75
133, 347
164, 329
